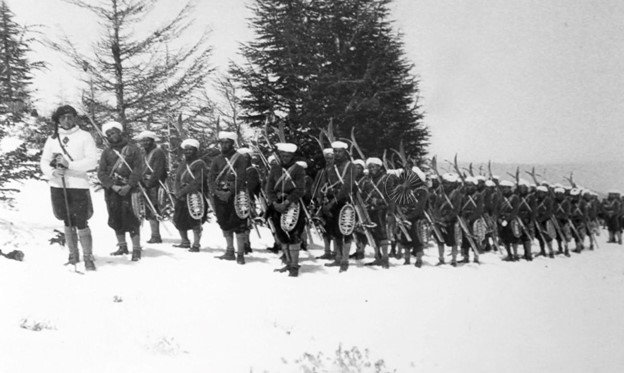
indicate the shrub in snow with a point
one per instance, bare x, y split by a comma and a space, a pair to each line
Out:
165, 346
344, 360
35, 325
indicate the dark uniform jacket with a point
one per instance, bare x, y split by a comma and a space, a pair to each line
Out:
112, 171
155, 167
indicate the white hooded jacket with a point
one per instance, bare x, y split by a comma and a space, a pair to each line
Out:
81, 148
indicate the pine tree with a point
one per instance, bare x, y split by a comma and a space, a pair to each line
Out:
316, 61
141, 81
15, 67
21, 136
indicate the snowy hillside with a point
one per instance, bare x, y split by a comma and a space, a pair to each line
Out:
176, 311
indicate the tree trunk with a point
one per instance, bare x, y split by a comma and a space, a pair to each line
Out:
116, 52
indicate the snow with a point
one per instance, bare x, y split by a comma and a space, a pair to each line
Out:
189, 312
9, 144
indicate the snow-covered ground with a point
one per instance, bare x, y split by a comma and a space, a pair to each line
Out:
189, 312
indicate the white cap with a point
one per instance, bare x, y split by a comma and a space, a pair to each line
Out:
450, 177
272, 159
489, 183
524, 183
360, 162
558, 186
146, 135
421, 175
303, 164
328, 151
542, 188
471, 180
506, 183
339, 145
374, 160
480, 178
109, 125
190, 142
575, 191
397, 172
244, 151
559, 190
286, 147
224, 135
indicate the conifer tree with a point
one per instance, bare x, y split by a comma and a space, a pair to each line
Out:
141, 79
316, 61
15, 67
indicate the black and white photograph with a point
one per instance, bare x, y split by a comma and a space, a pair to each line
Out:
311, 186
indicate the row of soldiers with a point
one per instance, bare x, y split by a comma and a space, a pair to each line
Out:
348, 200
352, 200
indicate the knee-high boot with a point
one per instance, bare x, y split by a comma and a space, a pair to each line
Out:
71, 239
197, 233
86, 241
136, 246
155, 228
229, 246
241, 239
293, 266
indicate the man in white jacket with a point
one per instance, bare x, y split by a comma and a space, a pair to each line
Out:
67, 156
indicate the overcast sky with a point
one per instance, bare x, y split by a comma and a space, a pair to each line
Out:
512, 81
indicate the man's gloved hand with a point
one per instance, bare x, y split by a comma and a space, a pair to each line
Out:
59, 172
61, 161
124, 190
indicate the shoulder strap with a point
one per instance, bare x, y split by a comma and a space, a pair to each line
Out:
148, 158
188, 168
120, 159
63, 148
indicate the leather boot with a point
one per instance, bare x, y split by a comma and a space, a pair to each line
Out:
86, 241
197, 233
293, 266
229, 248
155, 228
528, 255
241, 240
122, 250
136, 247
71, 239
